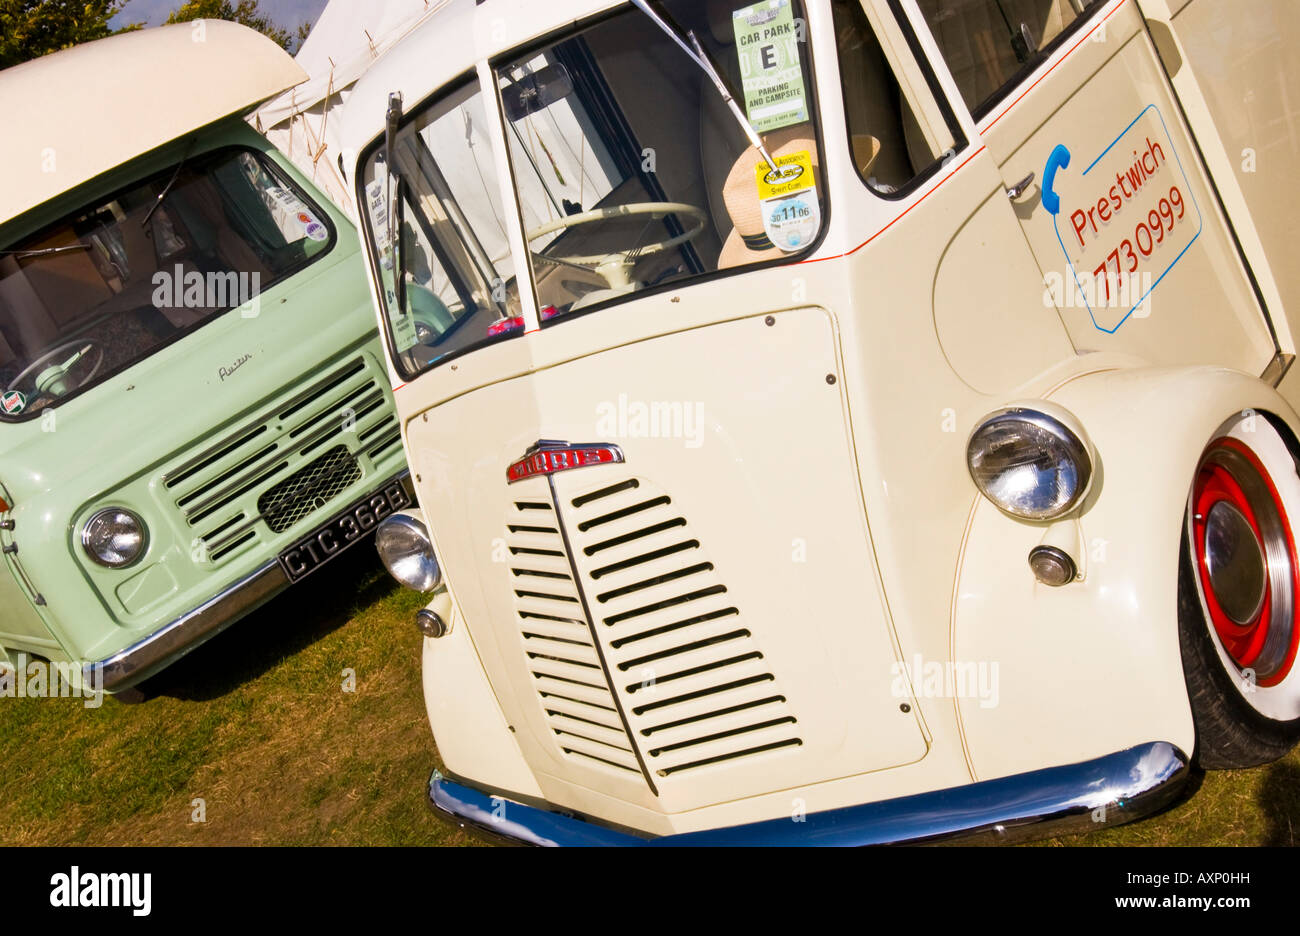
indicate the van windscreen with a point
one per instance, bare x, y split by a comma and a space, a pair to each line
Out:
630, 169
109, 284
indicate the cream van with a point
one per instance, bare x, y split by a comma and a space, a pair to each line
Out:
841, 421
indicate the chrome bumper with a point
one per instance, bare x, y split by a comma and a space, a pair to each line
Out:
146, 656
142, 658
1095, 794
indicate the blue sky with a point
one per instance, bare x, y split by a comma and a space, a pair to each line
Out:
287, 13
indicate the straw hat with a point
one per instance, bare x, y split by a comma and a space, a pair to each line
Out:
748, 241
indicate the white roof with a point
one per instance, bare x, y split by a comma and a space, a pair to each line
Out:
75, 114
348, 38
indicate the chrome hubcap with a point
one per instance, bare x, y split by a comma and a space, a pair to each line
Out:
1234, 559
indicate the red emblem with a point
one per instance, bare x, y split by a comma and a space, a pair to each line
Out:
546, 457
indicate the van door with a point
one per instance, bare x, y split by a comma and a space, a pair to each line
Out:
1072, 101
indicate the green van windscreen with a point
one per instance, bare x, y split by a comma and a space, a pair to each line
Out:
113, 282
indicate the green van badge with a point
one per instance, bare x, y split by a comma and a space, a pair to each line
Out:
13, 403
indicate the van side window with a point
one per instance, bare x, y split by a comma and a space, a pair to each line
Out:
990, 45
891, 146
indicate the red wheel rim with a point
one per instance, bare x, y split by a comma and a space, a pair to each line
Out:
1234, 501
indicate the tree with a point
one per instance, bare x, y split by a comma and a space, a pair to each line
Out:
245, 12
31, 28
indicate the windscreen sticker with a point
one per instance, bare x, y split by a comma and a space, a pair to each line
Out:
405, 336
1124, 222
289, 202
289, 211
13, 402
767, 45
788, 201
315, 230
377, 205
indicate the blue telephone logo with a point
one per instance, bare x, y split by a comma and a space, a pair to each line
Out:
1060, 159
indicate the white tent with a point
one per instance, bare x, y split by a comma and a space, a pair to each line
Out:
349, 37
307, 123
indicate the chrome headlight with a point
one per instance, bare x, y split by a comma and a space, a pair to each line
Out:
407, 552
114, 537
1029, 463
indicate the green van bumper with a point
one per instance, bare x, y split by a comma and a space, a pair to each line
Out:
148, 655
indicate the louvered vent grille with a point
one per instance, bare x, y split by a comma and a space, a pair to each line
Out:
694, 686
566, 669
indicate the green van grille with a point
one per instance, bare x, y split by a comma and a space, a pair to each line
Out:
388, 434
308, 488
242, 487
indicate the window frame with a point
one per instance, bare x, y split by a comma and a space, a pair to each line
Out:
365, 227
1027, 70
959, 140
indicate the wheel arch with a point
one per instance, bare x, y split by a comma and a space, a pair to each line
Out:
1095, 666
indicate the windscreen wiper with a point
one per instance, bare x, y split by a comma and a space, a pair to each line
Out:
43, 251
691, 46
168, 187
393, 190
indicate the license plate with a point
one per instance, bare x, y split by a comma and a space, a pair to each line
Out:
347, 529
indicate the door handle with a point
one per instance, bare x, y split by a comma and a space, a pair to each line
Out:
1019, 188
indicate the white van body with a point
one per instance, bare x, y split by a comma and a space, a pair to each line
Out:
770, 604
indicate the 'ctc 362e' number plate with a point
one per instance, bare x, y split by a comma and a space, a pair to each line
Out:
348, 528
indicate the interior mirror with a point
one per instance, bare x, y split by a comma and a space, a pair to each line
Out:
536, 91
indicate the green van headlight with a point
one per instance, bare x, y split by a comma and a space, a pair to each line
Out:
114, 537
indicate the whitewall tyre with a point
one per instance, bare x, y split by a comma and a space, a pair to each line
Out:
1239, 596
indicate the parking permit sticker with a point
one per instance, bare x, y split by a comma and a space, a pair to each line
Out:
767, 44
13, 402
1125, 220
288, 201
377, 205
405, 336
788, 201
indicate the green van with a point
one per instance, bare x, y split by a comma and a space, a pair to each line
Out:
195, 412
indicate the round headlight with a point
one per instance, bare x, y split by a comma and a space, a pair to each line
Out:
1029, 463
114, 537
404, 546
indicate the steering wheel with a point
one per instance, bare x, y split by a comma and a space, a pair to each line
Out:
52, 378
616, 267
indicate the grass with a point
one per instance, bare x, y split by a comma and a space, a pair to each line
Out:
1231, 807
257, 725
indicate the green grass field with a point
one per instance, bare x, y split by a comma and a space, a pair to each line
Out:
257, 725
